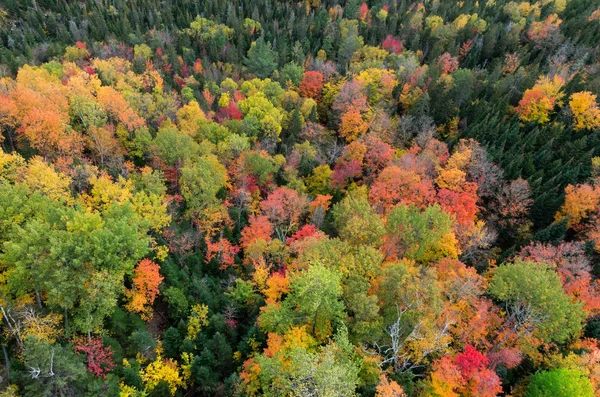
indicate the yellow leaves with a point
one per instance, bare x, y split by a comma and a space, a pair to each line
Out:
224, 100
198, 319
128, 391
41, 327
10, 166
551, 88
186, 367
539, 101
105, 191
580, 201
378, 83
585, 111
451, 179
410, 96
449, 246
453, 176
152, 209
299, 337
190, 117
162, 369
42, 177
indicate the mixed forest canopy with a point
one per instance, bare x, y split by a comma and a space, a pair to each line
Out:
325, 198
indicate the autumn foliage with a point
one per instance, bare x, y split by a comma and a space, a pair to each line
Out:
146, 280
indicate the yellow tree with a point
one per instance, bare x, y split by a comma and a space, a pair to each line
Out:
585, 111
539, 101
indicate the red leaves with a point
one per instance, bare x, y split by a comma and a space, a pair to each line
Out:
99, 357
223, 251
468, 375
463, 205
392, 44
470, 360
573, 267
363, 12
311, 84
259, 228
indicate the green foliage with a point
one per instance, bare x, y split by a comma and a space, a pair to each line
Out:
261, 59
535, 289
561, 382
423, 236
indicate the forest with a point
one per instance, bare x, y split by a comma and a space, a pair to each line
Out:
310, 198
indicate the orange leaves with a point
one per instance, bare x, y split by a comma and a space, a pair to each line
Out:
396, 185
259, 228
117, 107
539, 101
447, 63
353, 125
387, 388
146, 281
541, 32
585, 111
351, 103
312, 84
37, 107
580, 202
277, 285
283, 207
223, 251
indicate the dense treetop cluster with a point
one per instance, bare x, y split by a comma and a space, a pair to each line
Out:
315, 198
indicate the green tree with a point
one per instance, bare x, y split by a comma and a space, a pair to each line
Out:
261, 59
423, 236
535, 299
356, 221
561, 382
314, 300
350, 41
201, 179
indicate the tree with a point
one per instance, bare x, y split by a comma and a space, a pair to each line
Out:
146, 281
580, 202
561, 382
293, 73
392, 44
387, 388
535, 301
423, 236
573, 267
311, 84
284, 207
162, 370
314, 300
98, 357
467, 374
355, 220
261, 59
291, 365
538, 102
52, 369
201, 180
353, 125
261, 117
585, 111
350, 41
397, 186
